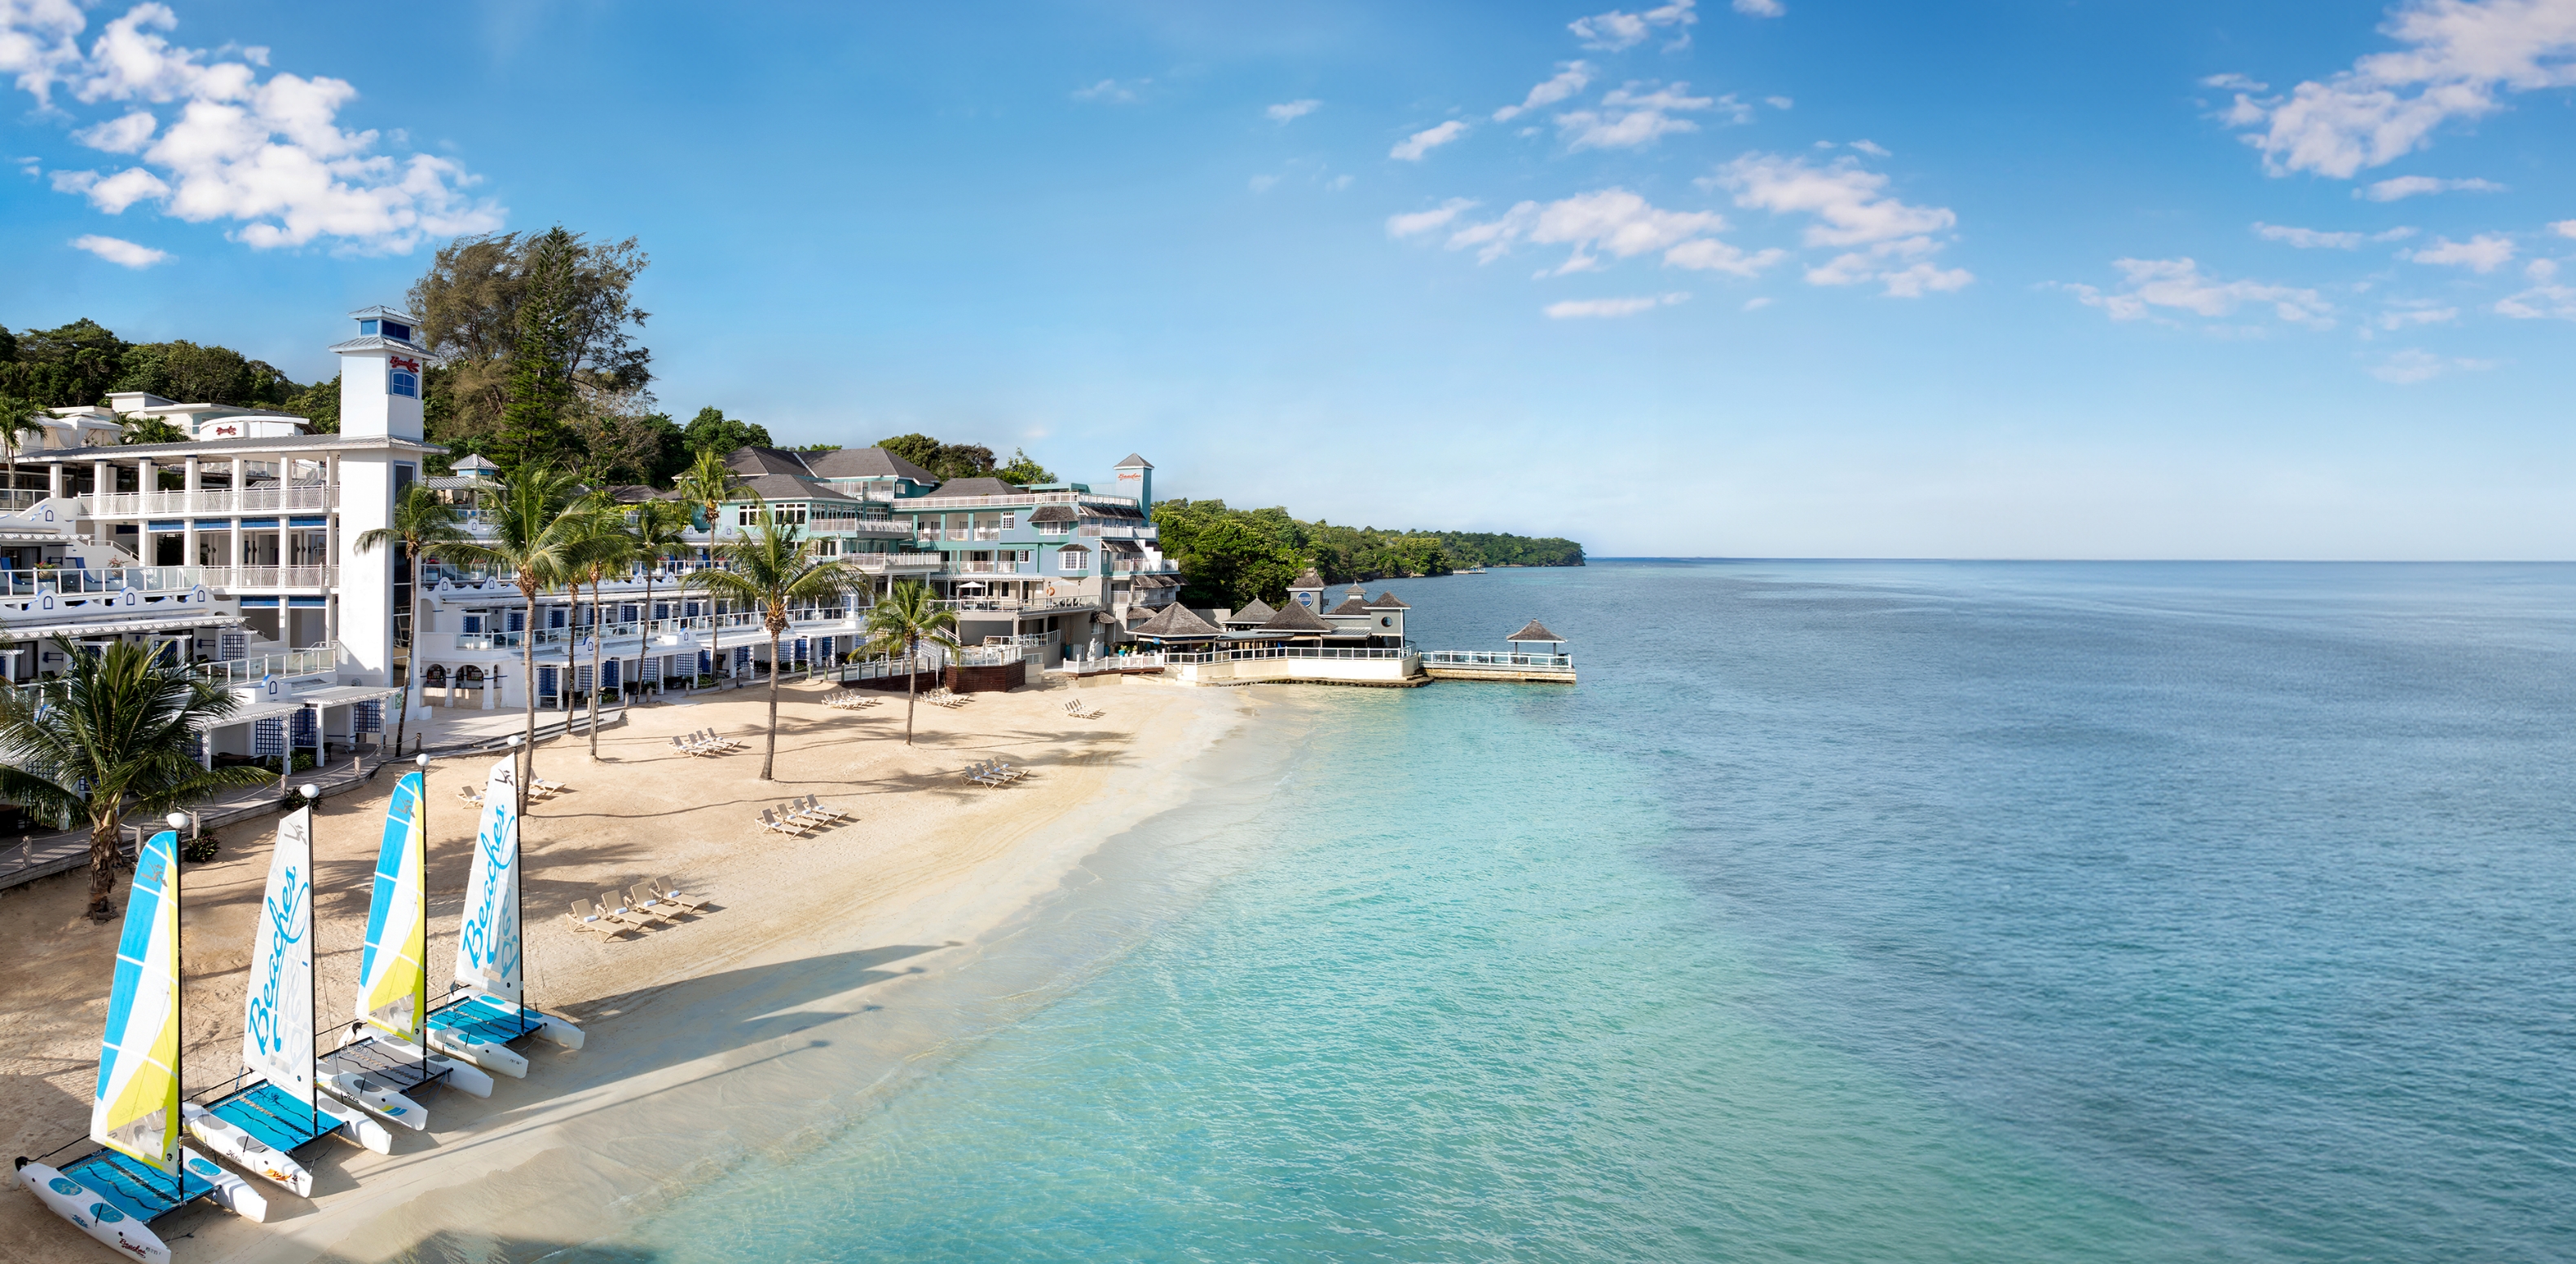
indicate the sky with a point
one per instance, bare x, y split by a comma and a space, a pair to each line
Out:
2164, 279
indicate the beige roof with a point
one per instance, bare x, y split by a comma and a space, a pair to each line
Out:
1174, 621
1535, 631
1296, 618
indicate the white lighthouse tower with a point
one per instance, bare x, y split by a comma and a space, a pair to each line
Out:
381, 431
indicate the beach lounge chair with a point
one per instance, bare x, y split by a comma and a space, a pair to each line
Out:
583, 919
548, 787
814, 808
771, 822
470, 795
651, 901
793, 811
684, 748
613, 906
672, 894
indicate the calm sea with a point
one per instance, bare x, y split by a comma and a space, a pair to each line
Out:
1845, 912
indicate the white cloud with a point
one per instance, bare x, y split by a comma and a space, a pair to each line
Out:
2307, 238
1424, 221
1916, 281
1850, 205
2179, 285
1631, 117
1262, 183
2564, 227
1574, 309
2458, 58
1612, 220
2413, 314
122, 253
1778, 103
2416, 186
1707, 254
2413, 365
1571, 77
1757, 304
1615, 30
1760, 8
1289, 111
120, 135
268, 154
2542, 302
2540, 269
1412, 148
1111, 91
2481, 254
1872, 148
2234, 83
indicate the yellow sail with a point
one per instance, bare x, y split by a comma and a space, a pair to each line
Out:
393, 973
136, 1107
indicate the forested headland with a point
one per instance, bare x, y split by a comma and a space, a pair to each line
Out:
1230, 556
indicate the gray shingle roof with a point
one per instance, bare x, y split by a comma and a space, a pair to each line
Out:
1295, 618
865, 463
1253, 614
791, 487
1054, 513
1534, 631
754, 461
1133, 461
1176, 620
1350, 606
1387, 601
976, 487
1307, 578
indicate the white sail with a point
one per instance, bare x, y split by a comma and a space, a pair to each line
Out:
487, 946
136, 1106
393, 973
277, 1015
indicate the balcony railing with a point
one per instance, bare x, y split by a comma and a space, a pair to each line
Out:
244, 671
894, 561
316, 496
1124, 531
72, 581
231, 578
1016, 603
1479, 658
937, 501
549, 639
1246, 653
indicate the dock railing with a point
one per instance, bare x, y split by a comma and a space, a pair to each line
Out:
1481, 658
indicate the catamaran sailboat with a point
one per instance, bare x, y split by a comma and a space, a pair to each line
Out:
377, 1066
140, 1172
493, 1008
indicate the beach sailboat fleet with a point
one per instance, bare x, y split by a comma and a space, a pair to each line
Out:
289, 1094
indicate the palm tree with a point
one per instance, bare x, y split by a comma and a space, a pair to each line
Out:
606, 550
708, 483
18, 417
539, 536
772, 566
116, 728
658, 532
903, 621
421, 522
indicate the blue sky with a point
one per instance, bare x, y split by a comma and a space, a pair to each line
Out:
1775, 277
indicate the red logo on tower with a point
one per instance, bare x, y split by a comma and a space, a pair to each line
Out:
404, 363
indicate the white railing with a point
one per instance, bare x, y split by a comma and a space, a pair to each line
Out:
1480, 658
68, 581
1289, 651
183, 504
234, 577
937, 501
894, 561
1128, 531
243, 671
24, 498
805, 620
1015, 603
962, 567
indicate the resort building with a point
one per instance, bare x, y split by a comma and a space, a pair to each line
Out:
235, 550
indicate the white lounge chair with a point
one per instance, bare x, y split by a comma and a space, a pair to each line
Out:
771, 822
613, 910
671, 893
814, 807
583, 919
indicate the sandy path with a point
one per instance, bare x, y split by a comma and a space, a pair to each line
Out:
702, 1045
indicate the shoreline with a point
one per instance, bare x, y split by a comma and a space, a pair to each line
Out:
827, 970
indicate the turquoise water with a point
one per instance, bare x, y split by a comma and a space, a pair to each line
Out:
1846, 912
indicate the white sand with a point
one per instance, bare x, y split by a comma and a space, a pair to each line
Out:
812, 981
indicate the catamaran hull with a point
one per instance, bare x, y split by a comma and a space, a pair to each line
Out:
490, 1057
91, 1214
557, 1030
252, 1154
346, 1087
230, 1192
460, 1075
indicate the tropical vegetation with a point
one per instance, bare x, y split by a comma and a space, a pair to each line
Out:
899, 624
1229, 556
772, 568
116, 733
422, 524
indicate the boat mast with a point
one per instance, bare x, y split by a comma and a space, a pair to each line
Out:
420, 804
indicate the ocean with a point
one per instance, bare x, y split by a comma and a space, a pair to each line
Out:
1844, 912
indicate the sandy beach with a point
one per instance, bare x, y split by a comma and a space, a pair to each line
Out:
810, 981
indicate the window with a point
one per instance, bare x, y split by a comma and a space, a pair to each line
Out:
1073, 559
401, 383
1010, 521
398, 330
1054, 528
1027, 556
366, 327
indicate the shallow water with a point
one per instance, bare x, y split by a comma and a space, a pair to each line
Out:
1844, 912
